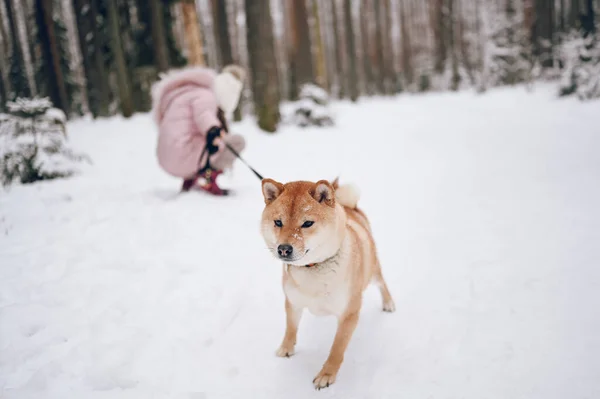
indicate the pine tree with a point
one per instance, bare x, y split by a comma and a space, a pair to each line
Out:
32, 143
580, 55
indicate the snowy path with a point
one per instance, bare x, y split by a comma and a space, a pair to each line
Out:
486, 211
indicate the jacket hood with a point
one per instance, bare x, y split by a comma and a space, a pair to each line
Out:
178, 78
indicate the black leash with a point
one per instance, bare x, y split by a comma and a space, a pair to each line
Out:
244, 162
210, 148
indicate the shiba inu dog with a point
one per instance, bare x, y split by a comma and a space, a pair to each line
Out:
329, 259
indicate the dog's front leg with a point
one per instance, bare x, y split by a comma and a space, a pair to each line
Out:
293, 316
346, 325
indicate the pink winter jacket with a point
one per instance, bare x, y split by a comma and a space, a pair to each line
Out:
184, 109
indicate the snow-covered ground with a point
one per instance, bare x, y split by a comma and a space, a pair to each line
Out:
486, 211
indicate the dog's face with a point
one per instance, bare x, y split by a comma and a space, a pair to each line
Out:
301, 223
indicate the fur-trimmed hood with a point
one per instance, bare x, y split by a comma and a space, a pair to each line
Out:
178, 78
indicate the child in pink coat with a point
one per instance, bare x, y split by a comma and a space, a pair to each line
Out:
189, 107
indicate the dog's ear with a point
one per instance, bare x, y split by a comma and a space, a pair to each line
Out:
324, 193
271, 190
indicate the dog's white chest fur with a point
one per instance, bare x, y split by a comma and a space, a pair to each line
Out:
323, 291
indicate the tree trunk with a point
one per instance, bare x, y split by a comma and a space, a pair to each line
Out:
221, 26
17, 64
102, 82
339, 53
463, 45
367, 49
437, 25
75, 58
125, 92
394, 83
83, 30
380, 69
589, 24
25, 43
4, 63
224, 47
193, 34
159, 35
572, 13
263, 66
352, 76
406, 60
300, 54
321, 63
543, 31
48, 34
451, 34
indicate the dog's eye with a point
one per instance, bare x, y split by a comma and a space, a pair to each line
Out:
278, 223
307, 224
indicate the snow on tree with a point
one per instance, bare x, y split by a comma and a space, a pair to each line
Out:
581, 73
33, 143
311, 108
507, 54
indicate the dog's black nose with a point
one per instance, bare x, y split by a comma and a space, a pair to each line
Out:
285, 250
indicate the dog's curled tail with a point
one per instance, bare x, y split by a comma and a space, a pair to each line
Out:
346, 194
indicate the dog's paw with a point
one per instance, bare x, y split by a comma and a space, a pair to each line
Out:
285, 351
324, 379
389, 306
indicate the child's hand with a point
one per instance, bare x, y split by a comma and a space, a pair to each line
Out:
213, 139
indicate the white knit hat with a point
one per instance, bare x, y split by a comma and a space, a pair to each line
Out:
228, 88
